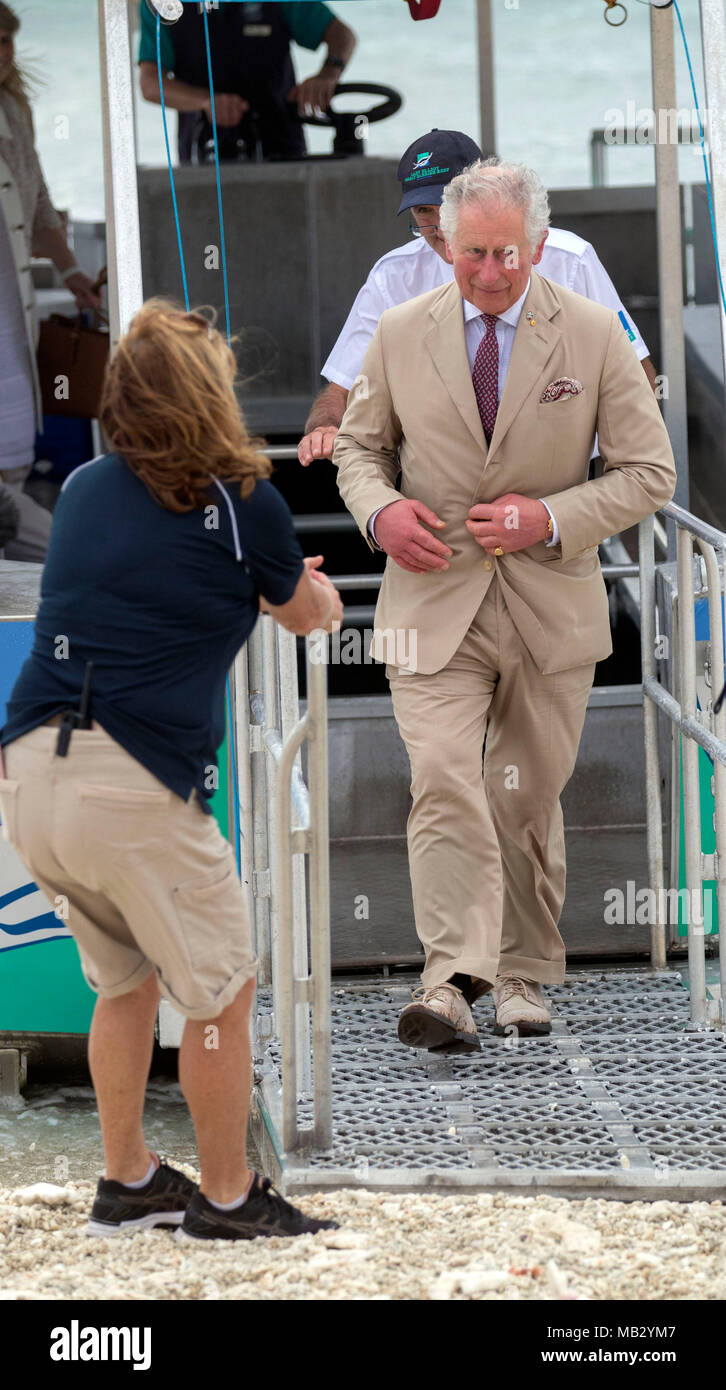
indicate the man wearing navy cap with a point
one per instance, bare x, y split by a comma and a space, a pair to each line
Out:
427, 166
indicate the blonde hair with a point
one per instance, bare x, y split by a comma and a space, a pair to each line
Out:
169, 408
17, 82
491, 183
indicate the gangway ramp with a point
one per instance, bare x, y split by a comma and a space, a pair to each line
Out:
622, 1100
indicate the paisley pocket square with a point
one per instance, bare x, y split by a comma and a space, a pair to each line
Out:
563, 386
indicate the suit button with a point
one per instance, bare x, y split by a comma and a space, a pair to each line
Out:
488, 565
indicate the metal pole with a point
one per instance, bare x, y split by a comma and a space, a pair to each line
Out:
317, 678
487, 105
654, 813
261, 853
691, 789
286, 991
240, 734
289, 715
241, 698
670, 253
713, 39
271, 701
123, 239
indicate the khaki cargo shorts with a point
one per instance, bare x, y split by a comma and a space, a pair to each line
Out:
145, 880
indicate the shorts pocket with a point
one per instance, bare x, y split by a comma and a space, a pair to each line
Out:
125, 818
211, 914
9, 809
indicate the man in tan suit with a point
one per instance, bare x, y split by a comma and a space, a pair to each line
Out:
486, 394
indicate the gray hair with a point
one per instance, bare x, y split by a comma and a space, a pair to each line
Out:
491, 184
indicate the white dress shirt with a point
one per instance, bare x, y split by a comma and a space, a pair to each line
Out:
415, 268
474, 331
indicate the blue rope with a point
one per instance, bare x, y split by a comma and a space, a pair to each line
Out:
219, 181
235, 780
168, 160
703, 154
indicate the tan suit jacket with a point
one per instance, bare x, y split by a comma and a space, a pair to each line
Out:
413, 407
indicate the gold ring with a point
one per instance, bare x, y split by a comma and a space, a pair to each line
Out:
499, 550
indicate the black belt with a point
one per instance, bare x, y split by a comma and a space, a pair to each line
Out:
75, 719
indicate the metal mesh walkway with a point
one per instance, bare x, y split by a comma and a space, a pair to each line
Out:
621, 1099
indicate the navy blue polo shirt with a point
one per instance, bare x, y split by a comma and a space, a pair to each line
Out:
161, 602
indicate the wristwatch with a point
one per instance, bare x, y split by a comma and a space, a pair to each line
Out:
334, 63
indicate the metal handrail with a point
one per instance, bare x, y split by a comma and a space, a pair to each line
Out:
702, 728
271, 790
373, 581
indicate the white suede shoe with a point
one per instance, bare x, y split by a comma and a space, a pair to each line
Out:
520, 1004
438, 1017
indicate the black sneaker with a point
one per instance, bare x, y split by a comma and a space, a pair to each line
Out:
265, 1213
162, 1201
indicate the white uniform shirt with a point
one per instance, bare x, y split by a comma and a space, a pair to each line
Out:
415, 268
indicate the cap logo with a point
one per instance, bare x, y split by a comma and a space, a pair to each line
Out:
423, 159
427, 173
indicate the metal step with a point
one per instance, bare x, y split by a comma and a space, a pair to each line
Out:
371, 914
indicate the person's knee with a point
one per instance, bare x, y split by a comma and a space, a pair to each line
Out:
444, 777
520, 815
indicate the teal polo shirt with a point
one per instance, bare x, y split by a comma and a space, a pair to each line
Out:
307, 21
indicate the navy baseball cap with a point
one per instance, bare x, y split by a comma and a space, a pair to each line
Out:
431, 162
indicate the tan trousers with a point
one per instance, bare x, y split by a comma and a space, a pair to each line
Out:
486, 852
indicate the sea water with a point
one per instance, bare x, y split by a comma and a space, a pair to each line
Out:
560, 73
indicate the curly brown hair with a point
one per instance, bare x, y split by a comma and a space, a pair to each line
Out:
169, 408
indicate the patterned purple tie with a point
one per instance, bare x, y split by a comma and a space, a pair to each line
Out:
486, 376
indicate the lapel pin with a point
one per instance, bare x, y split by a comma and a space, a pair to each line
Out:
531, 320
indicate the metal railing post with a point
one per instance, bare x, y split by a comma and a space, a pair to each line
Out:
285, 1009
278, 733
691, 788
123, 236
654, 810
241, 705
270, 697
287, 658
670, 251
260, 855
320, 897
713, 47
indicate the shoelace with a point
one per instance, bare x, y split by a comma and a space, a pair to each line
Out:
511, 985
181, 1179
422, 995
266, 1187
